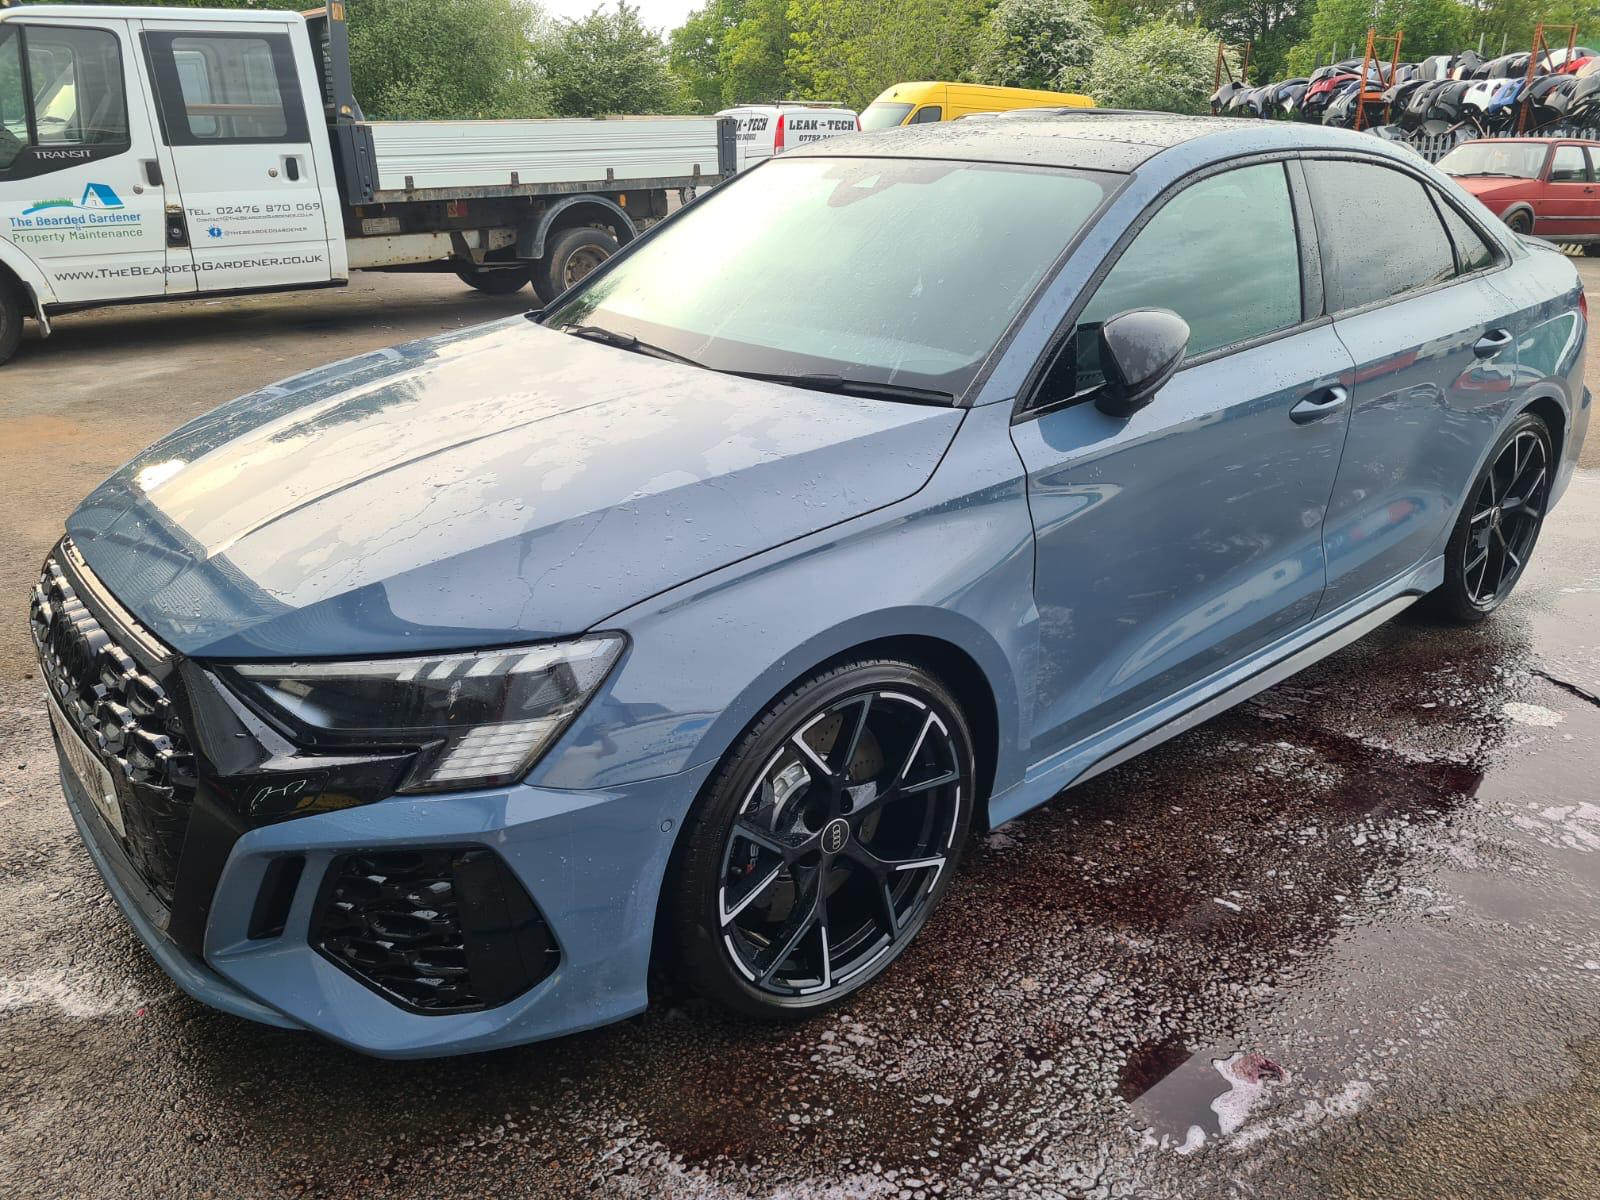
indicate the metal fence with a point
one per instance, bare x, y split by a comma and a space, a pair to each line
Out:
1434, 146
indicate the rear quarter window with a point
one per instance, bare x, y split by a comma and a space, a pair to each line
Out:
1367, 260
1472, 252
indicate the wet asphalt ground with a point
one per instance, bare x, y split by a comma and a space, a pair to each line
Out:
1342, 941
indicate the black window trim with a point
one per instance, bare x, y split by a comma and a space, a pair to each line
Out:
97, 152
172, 111
1502, 254
1442, 202
1026, 407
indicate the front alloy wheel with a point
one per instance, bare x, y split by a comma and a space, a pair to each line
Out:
826, 840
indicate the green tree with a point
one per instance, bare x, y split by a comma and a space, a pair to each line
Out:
434, 59
1161, 65
694, 51
733, 52
449, 59
1430, 27
1272, 27
608, 62
1510, 23
752, 55
851, 50
1038, 44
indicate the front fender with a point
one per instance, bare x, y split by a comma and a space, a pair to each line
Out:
531, 238
953, 563
28, 272
1518, 206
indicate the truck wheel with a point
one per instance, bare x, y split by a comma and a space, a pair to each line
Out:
495, 281
10, 320
568, 257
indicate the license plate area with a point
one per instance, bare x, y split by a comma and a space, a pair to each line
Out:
87, 769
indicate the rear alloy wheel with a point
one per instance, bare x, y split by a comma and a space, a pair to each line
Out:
825, 840
10, 320
569, 256
1496, 532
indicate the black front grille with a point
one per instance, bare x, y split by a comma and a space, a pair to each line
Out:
126, 716
436, 931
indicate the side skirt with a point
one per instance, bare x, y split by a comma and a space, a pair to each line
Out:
1141, 732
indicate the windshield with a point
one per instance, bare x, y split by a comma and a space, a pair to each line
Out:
883, 116
1516, 160
902, 271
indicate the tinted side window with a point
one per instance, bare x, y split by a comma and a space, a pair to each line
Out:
1472, 252
1367, 259
227, 88
928, 112
1222, 254
1569, 165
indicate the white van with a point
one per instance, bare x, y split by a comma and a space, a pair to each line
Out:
768, 129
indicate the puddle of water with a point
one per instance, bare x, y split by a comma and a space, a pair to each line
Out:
1187, 1100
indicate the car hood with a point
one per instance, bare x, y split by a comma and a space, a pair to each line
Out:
501, 484
1493, 187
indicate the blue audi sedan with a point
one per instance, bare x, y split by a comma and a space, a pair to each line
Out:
426, 700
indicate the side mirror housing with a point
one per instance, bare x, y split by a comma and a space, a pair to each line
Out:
1139, 351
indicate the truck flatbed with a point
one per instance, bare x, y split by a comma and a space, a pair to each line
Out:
441, 160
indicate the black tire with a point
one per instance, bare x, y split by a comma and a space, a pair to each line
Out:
1499, 525
1520, 221
10, 319
568, 256
733, 947
495, 281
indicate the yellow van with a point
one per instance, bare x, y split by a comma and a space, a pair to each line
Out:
914, 103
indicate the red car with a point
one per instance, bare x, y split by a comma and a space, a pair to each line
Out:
1541, 186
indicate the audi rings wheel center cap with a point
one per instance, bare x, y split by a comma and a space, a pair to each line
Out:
835, 835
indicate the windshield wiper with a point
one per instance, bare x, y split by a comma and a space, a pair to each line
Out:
869, 388
820, 382
626, 341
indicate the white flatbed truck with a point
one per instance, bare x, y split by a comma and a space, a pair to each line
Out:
152, 154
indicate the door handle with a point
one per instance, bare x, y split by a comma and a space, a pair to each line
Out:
1492, 343
152, 172
291, 168
1323, 402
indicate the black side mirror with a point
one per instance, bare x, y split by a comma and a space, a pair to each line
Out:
1139, 351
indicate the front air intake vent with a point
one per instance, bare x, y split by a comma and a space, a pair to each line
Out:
126, 714
436, 930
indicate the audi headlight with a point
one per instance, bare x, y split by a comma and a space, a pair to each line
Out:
479, 719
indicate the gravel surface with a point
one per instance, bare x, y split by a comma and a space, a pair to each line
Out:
1341, 941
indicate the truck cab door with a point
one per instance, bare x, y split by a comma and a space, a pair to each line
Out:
82, 193
258, 196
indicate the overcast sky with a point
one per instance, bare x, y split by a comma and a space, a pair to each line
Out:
665, 15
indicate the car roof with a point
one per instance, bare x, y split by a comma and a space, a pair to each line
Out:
1090, 139
34, 12
1542, 141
